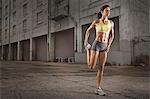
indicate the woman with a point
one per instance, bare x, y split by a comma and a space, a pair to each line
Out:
101, 45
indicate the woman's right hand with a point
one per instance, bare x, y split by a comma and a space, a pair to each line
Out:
85, 43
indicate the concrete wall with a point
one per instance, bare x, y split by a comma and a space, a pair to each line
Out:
88, 10
149, 33
41, 28
140, 31
4, 34
131, 14
34, 28
0, 22
133, 36
71, 21
67, 22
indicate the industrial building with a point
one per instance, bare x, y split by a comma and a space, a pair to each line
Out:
53, 30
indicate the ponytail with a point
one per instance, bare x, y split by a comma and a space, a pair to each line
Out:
99, 15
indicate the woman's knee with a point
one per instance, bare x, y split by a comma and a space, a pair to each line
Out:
101, 68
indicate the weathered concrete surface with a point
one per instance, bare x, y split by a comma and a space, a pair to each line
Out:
39, 80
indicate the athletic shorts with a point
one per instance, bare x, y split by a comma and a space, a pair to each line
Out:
99, 46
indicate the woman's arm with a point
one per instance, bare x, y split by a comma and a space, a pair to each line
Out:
88, 32
111, 36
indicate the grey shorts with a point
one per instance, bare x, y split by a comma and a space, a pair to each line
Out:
99, 46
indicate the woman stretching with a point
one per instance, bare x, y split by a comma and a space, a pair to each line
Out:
101, 45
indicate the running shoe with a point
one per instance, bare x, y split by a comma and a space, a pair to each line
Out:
100, 92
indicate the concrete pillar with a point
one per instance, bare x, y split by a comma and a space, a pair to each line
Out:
75, 39
78, 30
125, 31
18, 51
79, 38
30, 57
50, 47
50, 36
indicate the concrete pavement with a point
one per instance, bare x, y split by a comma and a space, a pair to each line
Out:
44, 80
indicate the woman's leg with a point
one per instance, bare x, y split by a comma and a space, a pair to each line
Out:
102, 61
93, 59
88, 53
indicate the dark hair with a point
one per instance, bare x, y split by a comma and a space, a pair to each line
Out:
103, 7
99, 15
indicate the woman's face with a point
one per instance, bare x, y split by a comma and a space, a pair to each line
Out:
106, 12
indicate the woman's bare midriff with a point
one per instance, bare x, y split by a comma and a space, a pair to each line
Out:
101, 37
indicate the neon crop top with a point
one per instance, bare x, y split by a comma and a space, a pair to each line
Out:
101, 27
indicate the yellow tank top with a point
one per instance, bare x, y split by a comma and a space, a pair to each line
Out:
101, 27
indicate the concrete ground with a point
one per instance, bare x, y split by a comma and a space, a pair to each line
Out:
43, 80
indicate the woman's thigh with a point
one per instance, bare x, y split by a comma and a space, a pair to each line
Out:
93, 57
102, 58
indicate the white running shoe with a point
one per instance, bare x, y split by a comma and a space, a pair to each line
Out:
100, 92
88, 46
